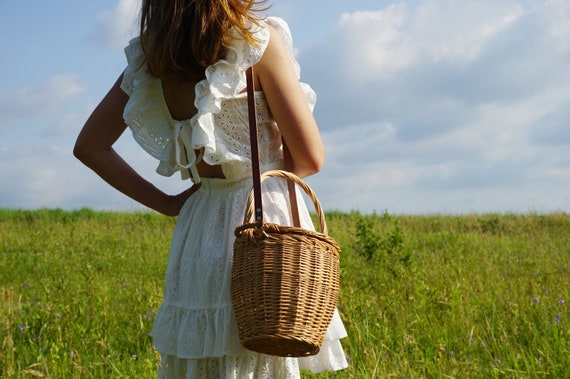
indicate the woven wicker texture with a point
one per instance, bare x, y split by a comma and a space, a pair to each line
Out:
285, 282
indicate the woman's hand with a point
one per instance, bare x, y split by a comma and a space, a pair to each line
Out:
175, 202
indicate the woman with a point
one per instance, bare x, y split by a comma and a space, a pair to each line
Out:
182, 96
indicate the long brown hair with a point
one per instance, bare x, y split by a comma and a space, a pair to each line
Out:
182, 37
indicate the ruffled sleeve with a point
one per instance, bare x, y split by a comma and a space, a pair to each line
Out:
149, 120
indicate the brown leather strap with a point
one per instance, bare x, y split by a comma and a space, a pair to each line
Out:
291, 187
256, 172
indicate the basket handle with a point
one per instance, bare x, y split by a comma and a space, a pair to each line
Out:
250, 211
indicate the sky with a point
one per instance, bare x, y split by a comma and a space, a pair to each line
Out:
425, 107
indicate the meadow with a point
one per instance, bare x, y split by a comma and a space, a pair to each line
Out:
431, 296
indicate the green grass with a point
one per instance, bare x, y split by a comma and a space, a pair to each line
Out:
439, 296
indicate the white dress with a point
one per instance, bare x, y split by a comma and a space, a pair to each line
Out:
195, 330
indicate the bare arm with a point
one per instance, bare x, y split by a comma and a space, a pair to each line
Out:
289, 108
94, 148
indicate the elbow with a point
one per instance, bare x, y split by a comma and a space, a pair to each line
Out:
316, 165
84, 152
80, 152
310, 166
317, 160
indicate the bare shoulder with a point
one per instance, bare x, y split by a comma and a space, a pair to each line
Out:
276, 61
275, 50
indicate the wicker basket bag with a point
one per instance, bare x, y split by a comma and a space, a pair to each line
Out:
285, 279
285, 282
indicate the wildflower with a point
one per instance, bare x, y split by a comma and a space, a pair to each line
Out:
536, 300
497, 361
149, 316
561, 301
558, 319
58, 315
23, 327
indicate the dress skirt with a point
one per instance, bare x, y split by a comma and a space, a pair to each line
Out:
195, 330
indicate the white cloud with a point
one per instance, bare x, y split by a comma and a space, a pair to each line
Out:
380, 44
116, 27
32, 103
475, 95
372, 42
456, 31
556, 14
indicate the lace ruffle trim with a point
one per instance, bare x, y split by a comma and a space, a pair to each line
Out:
224, 80
173, 142
195, 333
202, 333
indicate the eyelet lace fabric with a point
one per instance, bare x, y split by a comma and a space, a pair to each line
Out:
194, 329
218, 127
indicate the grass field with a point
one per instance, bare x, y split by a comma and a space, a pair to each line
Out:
438, 296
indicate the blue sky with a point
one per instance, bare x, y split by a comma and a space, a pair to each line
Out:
428, 106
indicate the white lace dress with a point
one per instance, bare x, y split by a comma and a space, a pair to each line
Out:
195, 329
